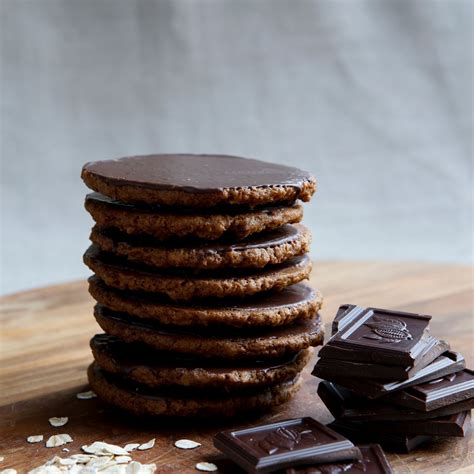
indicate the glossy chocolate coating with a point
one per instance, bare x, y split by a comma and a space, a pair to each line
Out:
122, 264
290, 296
131, 356
176, 391
226, 209
284, 444
306, 326
196, 173
262, 240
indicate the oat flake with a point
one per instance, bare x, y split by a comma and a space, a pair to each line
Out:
86, 395
58, 440
148, 445
58, 421
206, 466
186, 444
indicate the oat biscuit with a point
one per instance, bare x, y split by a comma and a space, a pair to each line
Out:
256, 251
173, 222
143, 402
181, 285
138, 363
272, 308
260, 343
197, 180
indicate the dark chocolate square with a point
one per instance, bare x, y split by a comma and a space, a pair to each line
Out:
379, 336
284, 444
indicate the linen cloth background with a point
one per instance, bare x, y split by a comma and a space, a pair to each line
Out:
373, 97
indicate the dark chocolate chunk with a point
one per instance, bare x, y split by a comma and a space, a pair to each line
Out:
398, 443
285, 444
380, 336
451, 425
448, 363
335, 368
437, 393
373, 462
345, 405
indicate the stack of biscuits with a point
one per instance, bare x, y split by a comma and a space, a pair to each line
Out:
388, 379
198, 262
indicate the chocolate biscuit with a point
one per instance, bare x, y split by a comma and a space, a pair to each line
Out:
197, 181
167, 223
264, 343
139, 363
150, 402
256, 251
181, 285
272, 308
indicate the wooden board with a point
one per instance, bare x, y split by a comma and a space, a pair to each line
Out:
44, 355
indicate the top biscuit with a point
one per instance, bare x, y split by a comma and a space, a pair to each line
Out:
197, 181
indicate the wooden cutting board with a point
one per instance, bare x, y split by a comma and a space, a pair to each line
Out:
44, 355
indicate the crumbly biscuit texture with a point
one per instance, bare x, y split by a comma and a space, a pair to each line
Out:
269, 248
119, 273
265, 343
134, 401
296, 302
168, 224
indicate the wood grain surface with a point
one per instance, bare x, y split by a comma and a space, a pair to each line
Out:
45, 352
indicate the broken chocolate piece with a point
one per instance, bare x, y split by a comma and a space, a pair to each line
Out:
398, 443
437, 393
445, 365
345, 405
373, 462
327, 368
451, 425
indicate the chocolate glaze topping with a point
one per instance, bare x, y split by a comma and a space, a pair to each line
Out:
93, 253
132, 355
310, 326
290, 296
196, 173
272, 238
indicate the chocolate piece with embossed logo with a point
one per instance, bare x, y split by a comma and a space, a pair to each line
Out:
445, 365
373, 462
379, 336
283, 444
437, 393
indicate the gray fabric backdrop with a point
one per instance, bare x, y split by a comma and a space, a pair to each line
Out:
374, 97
